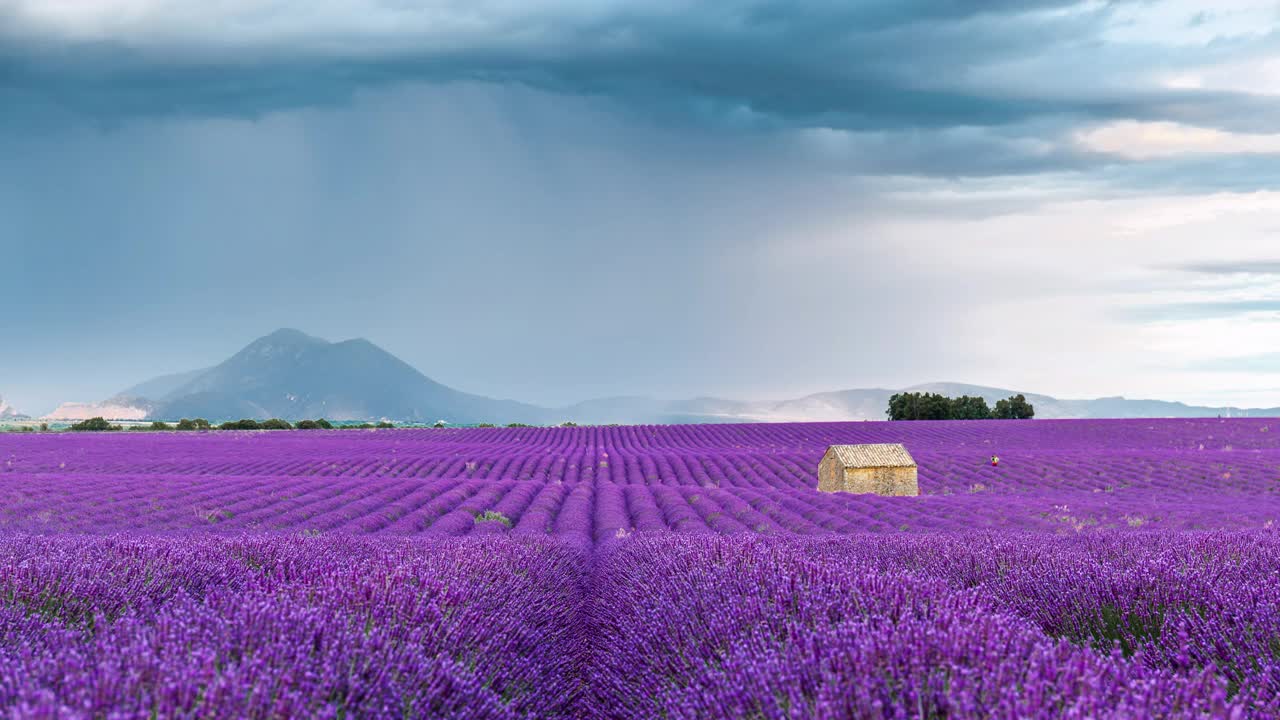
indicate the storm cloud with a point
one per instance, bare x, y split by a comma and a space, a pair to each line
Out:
556, 199
753, 65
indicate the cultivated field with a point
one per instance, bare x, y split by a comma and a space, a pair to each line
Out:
1104, 569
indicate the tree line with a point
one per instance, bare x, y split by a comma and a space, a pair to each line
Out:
98, 424
933, 406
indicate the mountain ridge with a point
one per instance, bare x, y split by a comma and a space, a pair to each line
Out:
293, 375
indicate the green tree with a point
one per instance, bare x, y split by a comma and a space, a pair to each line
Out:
1013, 408
967, 407
934, 406
276, 424
937, 407
245, 424
898, 408
158, 425
919, 406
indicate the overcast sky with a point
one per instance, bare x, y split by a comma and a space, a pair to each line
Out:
558, 199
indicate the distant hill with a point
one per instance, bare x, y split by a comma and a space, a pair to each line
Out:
8, 412
163, 386
870, 404
292, 375
114, 409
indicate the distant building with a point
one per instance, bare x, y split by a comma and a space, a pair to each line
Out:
883, 469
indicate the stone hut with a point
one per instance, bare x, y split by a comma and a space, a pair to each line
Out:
884, 469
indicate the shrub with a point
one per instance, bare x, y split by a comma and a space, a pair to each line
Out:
96, 424
519, 425
320, 424
158, 425
245, 424
493, 516
486, 425
276, 424
385, 425
568, 423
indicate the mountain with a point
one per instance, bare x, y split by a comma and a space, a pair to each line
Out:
162, 386
870, 404
117, 408
862, 404
8, 412
131, 404
622, 410
292, 375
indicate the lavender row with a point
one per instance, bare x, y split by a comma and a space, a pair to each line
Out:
1174, 625
715, 627
589, 511
953, 455
286, 627
1177, 600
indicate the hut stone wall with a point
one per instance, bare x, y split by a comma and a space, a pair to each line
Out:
881, 480
830, 474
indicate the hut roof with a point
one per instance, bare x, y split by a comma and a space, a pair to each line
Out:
877, 455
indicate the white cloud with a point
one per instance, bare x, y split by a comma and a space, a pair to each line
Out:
1255, 75
1042, 296
1209, 213
1191, 22
1144, 140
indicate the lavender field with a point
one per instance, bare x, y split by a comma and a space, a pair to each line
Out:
1104, 569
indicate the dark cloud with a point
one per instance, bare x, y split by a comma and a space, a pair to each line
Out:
916, 87
901, 82
754, 64
505, 241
